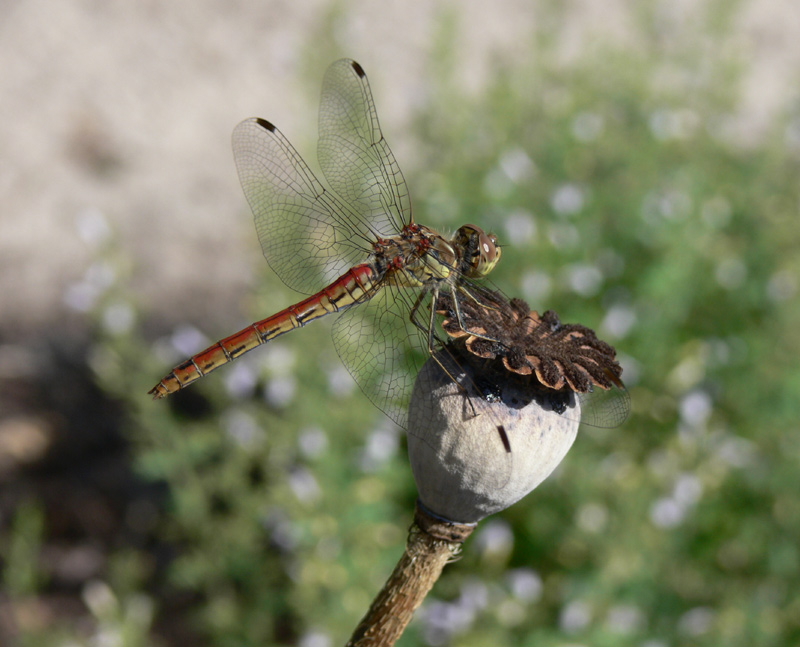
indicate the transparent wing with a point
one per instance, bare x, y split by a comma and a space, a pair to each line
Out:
308, 235
382, 349
605, 408
354, 156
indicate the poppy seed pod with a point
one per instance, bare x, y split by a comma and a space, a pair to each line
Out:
484, 441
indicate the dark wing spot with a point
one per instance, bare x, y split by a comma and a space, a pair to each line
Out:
359, 70
266, 125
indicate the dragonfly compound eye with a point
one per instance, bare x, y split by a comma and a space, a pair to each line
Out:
490, 253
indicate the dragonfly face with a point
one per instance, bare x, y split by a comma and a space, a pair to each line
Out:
478, 250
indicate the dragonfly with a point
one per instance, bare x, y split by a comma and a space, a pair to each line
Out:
384, 275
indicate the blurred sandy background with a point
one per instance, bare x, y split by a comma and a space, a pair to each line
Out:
115, 119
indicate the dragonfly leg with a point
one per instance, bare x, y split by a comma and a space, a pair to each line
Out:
415, 309
482, 304
460, 320
430, 330
432, 322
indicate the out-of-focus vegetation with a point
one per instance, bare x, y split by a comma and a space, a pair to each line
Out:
629, 197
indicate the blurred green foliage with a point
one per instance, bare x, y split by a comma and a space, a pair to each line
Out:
630, 197
21, 576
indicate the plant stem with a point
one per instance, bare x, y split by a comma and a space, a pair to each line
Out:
432, 542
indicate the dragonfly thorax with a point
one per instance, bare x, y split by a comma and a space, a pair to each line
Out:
417, 257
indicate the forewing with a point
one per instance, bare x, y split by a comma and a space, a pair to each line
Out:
354, 156
309, 236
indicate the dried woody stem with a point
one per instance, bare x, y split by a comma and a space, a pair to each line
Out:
432, 542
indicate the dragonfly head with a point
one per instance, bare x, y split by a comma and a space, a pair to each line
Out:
479, 251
